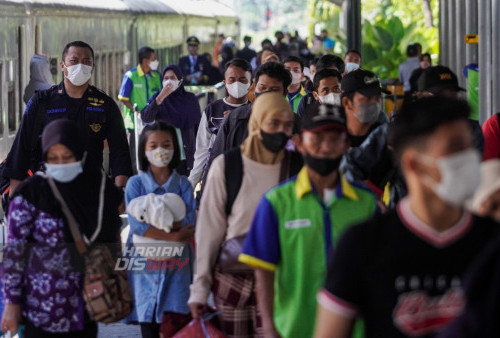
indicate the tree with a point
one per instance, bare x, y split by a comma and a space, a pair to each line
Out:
388, 27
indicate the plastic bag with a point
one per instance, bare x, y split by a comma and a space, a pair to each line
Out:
199, 328
173, 322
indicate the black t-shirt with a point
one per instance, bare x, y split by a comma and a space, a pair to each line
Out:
402, 277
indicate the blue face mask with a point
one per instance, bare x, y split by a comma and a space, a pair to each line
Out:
64, 172
350, 66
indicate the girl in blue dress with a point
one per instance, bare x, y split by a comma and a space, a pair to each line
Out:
159, 285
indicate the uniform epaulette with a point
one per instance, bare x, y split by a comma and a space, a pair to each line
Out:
47, 93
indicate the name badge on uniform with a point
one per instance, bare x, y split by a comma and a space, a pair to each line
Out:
138, 85
298, 223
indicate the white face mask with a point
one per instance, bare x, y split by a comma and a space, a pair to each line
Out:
79, 74
154, 64
296, 77
350, 66
175, 84
65, 172
160, 157
331, 98
237, 89
460, 176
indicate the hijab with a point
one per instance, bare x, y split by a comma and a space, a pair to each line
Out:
182, 107
40, 76
82, 194
263, 107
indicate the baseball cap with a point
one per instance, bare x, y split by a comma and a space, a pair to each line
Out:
320, 117
437, 78
362, 81
193, 40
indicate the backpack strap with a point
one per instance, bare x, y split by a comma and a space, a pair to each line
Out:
80, 241
233, 170
73, 225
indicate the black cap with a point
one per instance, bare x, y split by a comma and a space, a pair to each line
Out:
436, 78
193, 40
320, 117
362, 81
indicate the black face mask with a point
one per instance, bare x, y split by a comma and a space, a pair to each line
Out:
323, 166
274, 142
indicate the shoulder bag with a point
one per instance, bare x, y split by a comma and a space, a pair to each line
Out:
106, 291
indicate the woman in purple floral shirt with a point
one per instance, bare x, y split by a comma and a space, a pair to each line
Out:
42, 269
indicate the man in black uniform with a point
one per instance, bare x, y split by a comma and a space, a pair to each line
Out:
237, 78
402, 272
95, 113
194, 67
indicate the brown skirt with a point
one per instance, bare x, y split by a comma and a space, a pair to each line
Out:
235, 298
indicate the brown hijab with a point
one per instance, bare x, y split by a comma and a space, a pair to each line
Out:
264, 106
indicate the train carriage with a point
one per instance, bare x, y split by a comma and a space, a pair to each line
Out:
115, 29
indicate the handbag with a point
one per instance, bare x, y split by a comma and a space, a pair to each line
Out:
107, 292
228, 262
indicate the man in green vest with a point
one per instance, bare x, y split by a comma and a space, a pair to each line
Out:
297, 224
295, 91
138, 86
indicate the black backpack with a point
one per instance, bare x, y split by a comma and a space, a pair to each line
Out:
233, 170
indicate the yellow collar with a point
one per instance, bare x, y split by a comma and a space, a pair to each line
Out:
303, 186
140, 72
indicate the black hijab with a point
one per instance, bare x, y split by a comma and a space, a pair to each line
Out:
82, 194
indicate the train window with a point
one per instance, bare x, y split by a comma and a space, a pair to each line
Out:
54, 68
38, 36
126, 59
118, 73
1, 99
21, 73
103, 72
97, 71
113, 71
12, 107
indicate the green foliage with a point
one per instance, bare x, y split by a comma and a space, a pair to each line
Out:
327, 15
388, 27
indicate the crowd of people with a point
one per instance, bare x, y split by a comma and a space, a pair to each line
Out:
316, 212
